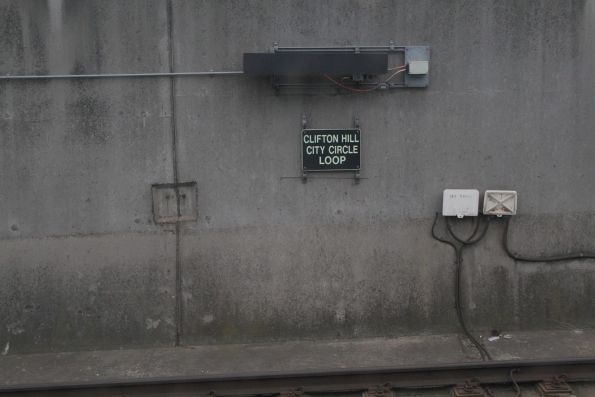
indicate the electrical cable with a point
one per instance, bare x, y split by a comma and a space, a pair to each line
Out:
459, 308
553, 258
350, 88
460, 240
485, 355
394, 74
436, 237
353, 89
517, 388
211, 73
397, 67
472, 239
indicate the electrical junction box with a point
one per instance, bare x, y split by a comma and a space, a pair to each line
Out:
418, 67
460, 202
499, 202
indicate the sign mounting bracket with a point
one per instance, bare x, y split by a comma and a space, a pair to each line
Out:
304, 126
356, 174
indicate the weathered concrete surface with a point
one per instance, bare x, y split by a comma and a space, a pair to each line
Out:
302, 356
314, 281
509, 107
377, 279
232, 359
81, 262
80, 156
94, 292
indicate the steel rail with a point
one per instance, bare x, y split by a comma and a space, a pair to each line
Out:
338, 381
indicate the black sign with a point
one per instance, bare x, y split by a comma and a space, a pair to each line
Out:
331, 150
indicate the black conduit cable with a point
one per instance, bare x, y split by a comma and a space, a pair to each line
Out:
515, 384
476, 224
552, 258
436, 237
458, 267
472, 239
459, 307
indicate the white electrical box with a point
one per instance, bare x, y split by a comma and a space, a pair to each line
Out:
499, 202
419, 67
460, 202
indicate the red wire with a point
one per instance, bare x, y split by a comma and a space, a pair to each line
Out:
362, 89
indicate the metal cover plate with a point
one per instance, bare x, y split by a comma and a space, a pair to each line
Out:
314, 63
415, 54
165, 202
460, 202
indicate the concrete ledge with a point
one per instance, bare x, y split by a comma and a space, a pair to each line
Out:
286, 357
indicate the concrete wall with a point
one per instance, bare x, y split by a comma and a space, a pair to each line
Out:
83, 266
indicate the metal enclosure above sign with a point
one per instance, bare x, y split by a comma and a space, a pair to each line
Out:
331, 150
314, 63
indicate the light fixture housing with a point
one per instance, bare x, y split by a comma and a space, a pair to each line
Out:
500, 202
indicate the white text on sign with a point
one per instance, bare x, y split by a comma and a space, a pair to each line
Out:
324, 149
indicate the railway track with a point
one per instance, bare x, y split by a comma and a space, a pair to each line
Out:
557, 375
